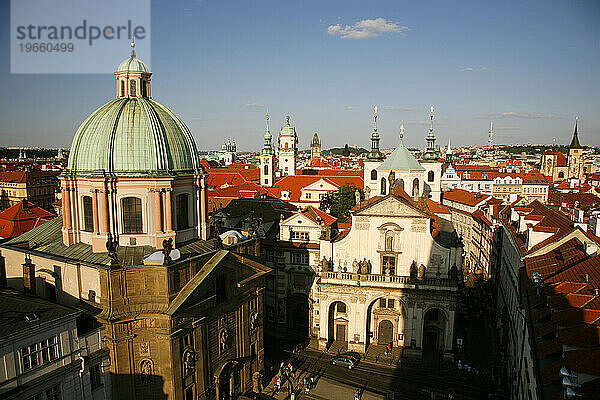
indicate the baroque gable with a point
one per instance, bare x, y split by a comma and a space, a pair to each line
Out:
392, 206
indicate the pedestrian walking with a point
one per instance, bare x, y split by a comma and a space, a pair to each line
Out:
357, 394
312, 382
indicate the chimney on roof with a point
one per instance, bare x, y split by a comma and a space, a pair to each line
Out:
591, 248
29, 276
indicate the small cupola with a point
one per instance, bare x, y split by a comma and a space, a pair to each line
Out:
133, 77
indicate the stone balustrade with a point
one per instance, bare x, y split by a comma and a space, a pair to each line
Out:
377, 280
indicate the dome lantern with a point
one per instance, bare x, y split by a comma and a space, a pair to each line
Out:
133, 77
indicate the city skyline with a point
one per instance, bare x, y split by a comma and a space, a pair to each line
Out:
526, 66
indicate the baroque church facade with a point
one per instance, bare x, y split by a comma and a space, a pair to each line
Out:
181, 316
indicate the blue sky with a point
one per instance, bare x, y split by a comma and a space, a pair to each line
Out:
531, 65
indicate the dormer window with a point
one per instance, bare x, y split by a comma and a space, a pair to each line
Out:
122, 89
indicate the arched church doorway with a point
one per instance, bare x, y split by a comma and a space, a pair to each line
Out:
338, 322
384, 322
434, 331
386, 332
227, 380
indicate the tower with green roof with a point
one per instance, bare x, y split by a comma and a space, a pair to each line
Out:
432, 162
267, 159
288, 149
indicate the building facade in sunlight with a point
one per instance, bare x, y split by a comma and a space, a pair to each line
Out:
391, 278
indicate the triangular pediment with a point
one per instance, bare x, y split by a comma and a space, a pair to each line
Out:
321, 184
393, 206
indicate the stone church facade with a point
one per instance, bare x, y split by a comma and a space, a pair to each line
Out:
392, 278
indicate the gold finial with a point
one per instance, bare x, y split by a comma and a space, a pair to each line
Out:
132, 45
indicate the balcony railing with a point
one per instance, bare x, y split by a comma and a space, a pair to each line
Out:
376, 280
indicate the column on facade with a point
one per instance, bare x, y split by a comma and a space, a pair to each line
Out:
203, 209
66, 206
168, 216
104, 207
95, 210
158, 211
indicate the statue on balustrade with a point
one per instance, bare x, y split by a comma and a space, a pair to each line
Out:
365, 266
413, 272
421, 272
356, 267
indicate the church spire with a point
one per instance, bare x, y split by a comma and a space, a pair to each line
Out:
268, 148
431, 154
575, 141
375, 154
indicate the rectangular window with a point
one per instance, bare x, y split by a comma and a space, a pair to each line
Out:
307, 195
39, 353
300, 235
389, 265
132, 215
390, 303
299, 258
181, 209
88, 214
54, 393
95, 377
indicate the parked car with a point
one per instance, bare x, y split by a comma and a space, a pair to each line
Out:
344, 361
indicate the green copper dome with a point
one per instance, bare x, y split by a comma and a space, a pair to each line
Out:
287, 130
134, 137
133, 64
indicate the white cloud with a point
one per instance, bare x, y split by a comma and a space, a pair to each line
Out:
474, 68
512, 114
254, 105
396, 108
366, 28
349, 108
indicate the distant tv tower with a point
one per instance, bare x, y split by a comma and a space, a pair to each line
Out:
491, 134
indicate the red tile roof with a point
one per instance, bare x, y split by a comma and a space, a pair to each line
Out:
247, 190
318, 216
465, 197
26, 176
21, 218
295, 183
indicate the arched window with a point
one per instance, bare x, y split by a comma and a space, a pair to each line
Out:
88, 214
373, 175
383, 186
181, 208
561, 175
430, 176
132, 215
143, 88
415, 188
266, 169
132, 88
286, 145
122, 88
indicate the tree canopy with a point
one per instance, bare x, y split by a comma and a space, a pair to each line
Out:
339, 202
